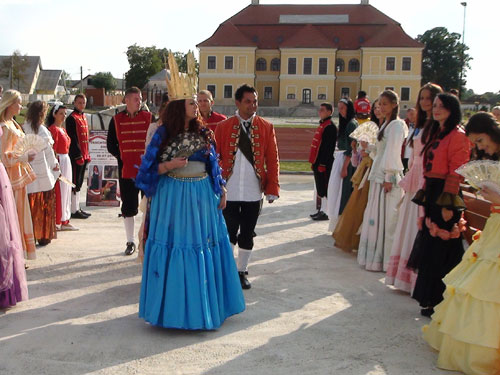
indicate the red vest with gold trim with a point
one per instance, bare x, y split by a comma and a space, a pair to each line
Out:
131, 135
82, 132
316, 142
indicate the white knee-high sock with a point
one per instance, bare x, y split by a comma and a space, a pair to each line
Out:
129, 228
75, 201
243, 259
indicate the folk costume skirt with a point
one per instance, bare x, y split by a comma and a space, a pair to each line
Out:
378, 228
13, 284
464, 328
43, 213
189, 278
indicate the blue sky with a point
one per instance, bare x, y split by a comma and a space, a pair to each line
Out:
95, 34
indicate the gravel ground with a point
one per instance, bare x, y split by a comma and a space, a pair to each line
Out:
311, 309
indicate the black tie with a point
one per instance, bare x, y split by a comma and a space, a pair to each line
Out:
247, 124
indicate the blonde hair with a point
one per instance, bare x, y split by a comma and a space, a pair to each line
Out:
8, 98
207, 93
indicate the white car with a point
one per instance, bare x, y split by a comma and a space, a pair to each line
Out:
54, 102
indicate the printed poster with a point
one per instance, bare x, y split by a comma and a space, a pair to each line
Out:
103, 188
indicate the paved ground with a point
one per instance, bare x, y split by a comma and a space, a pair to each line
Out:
311, 310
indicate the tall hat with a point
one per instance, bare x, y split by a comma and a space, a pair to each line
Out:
181, 85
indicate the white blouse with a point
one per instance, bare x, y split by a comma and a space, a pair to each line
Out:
387, 165
43, 163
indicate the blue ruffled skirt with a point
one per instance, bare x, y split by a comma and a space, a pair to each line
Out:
189, 278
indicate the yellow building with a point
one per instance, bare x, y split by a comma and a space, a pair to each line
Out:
303, 55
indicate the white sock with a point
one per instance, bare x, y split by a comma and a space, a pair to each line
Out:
235, 250
75, 201
129, 228
323, 204
243, 259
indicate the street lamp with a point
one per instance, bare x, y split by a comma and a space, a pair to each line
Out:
464, 4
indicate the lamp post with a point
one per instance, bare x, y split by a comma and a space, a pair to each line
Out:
464, 4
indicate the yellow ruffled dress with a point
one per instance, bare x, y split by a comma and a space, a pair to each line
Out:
465, 327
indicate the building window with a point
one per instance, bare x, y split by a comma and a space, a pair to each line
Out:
344, 92
321, 96
390, 63
211, 88
261, 65
308, 62
290, 96
323, 65
228, 91
405, 94
354, 65
306, 96
339, 65
268, 92
275, 65
212, 62
228, 62
406, 63
292, 65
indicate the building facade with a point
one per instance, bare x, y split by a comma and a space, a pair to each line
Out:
303, 55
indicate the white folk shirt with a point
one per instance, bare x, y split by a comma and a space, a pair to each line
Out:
243, 185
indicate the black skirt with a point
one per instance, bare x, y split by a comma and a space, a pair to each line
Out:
431, 256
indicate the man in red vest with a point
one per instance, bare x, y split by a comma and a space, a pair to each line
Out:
78, 130
249, 160
208, 115
321, 156
126, 142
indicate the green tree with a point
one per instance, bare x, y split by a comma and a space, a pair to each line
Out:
104, 80
65, 77
144, 62
147, 61
14, 68
444, 58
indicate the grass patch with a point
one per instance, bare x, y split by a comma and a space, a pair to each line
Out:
295, 166
295, 126
20, 118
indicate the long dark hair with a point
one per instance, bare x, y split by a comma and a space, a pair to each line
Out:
372, 114
484, 122
173, 118
394, 99
422, 121
36, 114
343, 121
51, 118
452, 104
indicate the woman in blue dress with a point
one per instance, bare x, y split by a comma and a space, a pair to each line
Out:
189, 278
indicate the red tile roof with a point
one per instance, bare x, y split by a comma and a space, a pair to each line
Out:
259, 26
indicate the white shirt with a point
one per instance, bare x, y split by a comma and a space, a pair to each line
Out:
243, 185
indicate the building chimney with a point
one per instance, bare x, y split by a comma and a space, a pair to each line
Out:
255, 2
365, 2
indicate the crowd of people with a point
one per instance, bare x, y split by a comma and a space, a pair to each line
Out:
388, 187
404, 213
37, 169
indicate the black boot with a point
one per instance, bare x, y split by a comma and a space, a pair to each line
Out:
321, 216
130, 248
245, 284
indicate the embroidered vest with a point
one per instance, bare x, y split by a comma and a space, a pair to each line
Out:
131, 135
82, 132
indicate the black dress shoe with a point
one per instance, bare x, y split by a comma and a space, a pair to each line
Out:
314, 214
130, 248
79, 215
321, 216
428, 311
88, 214
245, 284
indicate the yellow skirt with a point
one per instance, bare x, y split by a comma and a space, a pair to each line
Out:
465, 327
